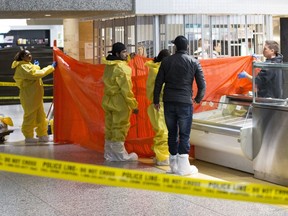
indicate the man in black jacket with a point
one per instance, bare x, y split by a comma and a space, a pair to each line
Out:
178, 72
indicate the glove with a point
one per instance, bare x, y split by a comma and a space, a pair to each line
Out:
36, 62
196, 101
243, 74
254, 56
54, 64
132, 55
135, 111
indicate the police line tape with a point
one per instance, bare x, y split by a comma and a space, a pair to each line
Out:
142, 180
18, 98
14, 84
7, 84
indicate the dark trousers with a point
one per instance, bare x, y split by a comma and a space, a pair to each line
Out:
178, 118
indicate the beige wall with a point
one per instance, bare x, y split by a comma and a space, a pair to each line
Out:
71, 37
86, 41
78, 39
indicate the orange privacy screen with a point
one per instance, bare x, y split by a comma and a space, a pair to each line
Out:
78, 91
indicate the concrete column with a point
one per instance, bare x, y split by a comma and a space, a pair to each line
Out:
71, 37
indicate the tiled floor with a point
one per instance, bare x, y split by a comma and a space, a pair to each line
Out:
24, 195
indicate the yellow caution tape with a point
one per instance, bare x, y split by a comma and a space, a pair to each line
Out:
18, 98
7, 84
14, 84
142, 180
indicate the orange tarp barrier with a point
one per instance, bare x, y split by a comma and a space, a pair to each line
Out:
78, 91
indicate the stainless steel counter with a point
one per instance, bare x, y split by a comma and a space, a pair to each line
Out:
270, 130
270, 142
254, 141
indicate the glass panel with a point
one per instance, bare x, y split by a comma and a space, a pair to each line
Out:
98, 42
174, 26
276, 89
164, 42
145, 36
131, 39
129, 32
225, 112
219, 30
108, 39
231, 35
119, 34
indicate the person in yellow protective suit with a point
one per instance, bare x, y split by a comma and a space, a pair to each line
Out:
28, 79
118, 103
160, 140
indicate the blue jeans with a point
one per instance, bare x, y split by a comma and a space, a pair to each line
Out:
178, 118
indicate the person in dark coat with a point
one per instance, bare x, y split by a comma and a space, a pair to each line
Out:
178, 72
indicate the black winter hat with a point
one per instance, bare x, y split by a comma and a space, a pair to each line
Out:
181, 42
117, 48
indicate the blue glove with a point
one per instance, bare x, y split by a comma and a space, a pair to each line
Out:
254, 56
54, 64
36, 62
243, 74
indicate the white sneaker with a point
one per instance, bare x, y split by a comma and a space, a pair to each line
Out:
31, 140
45, 139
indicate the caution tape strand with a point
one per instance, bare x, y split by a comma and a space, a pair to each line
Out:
142, 180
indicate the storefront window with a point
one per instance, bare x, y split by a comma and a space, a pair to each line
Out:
210, 36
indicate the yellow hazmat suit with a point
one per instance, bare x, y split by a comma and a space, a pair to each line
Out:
160, 141
118, 103
28, 79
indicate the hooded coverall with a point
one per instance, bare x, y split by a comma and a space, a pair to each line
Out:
160, 140
28, 79
118, 100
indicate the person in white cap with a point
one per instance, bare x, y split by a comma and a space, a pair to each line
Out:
178, 72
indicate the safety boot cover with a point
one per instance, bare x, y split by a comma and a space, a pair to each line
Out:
115, 151
107, 150
161, 163
184, 167
45, 139
31, 140
173, 163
